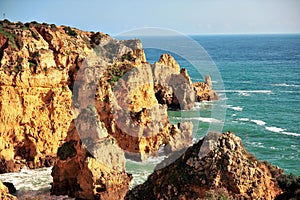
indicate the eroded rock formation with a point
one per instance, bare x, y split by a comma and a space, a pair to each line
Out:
39, 64
51, 75
218, 166
94, 170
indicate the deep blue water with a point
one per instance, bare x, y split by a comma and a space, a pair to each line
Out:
261, 76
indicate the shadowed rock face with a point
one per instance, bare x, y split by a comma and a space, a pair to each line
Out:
217, 166
4, 193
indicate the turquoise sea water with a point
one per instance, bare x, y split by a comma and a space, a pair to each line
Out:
261, 76
261, 94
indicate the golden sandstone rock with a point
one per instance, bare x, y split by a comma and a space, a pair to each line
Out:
51, 75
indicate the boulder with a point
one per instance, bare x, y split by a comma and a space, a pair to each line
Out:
218, 166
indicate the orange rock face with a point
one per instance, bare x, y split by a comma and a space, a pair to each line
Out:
51, 75
92, 171
216, 167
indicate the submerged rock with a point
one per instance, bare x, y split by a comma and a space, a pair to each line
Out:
218, 166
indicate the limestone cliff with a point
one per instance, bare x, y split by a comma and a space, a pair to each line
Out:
216, 167
46, 70
39, 64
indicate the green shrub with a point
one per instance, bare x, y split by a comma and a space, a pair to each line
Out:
70, 31
17, 69
10, 36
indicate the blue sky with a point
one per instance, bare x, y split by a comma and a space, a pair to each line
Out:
188, 17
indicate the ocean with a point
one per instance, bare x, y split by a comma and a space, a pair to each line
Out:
258, 80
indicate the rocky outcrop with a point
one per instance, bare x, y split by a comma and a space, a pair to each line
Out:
51, 75
174, 88
92, 171
218, 166
4, 193
204, 91
39, 64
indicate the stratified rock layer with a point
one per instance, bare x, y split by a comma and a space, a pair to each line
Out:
216, 167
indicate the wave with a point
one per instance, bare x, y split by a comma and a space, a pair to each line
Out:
243, 119
258, 122
289, 133
275, 129
285, 85
246, 91
29, 179
202, 119
236, 108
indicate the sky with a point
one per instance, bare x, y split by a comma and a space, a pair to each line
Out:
188, 17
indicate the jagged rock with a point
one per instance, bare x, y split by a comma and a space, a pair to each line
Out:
168, 60
204, 91
4, 193
171, 87
226, 170
93, 172
133, 116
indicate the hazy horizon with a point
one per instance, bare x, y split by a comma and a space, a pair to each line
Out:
206, 17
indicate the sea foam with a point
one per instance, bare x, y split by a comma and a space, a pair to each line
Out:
289, 133
275, 129
258, 122
202, 119
236, 108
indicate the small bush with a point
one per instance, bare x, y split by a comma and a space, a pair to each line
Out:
70, 31
17, 69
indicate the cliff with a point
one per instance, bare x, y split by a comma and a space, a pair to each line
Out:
216, 167
52, 76
43, 81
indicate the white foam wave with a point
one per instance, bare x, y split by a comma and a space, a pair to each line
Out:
243, 119
274, 129
202, 119
289, 133
245, 91
37, 179
244, 94
285, 85
236, 108
259, 122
